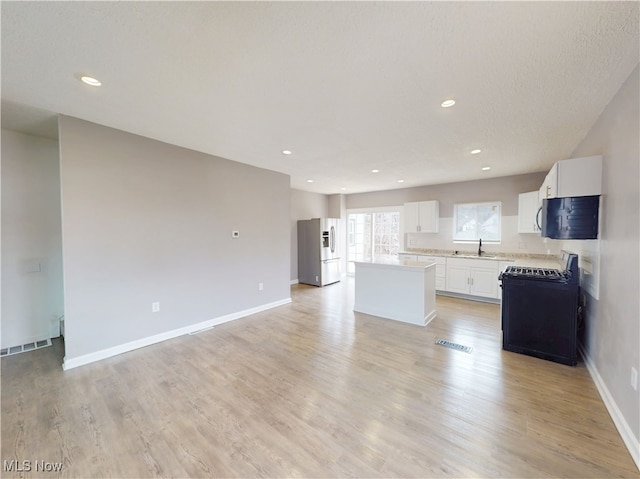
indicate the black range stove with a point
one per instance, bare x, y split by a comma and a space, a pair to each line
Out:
570, 274
539, 310
533, 273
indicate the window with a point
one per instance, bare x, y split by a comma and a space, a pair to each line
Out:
474, 221
373, 235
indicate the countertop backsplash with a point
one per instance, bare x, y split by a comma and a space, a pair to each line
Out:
508, 255
512, 243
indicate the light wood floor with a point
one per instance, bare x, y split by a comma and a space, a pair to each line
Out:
311, 389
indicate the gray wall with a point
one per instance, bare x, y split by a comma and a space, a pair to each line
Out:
144, 221
612, 330
504, 189
304, 206
32, 299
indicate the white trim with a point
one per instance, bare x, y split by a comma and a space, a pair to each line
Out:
157, 338
294, 281
429, 317
632, 443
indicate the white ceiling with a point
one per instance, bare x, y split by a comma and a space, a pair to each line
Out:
347, 86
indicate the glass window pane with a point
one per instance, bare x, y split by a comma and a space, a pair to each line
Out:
477, 220
377, 236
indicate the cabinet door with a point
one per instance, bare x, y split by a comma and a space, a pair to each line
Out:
428, 216
527, 212
457, 279
484, 282
411, 217
579, 177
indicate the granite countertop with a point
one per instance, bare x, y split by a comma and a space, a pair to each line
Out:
399, 263
520, 259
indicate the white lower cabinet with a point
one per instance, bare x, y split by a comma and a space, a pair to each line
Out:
475, 277
468, 276
440, 269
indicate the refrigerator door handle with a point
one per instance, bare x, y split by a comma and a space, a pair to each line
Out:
333, 240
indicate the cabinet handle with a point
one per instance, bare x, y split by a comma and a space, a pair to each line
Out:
467, 280
548, 190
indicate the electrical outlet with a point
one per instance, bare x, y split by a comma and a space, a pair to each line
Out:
260, 286
634, 378
155, 307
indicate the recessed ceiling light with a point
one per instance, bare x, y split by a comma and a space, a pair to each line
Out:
486, 168
90, 80
400, 181
286, 152
309, 181
447, 103
375, 171
475, 152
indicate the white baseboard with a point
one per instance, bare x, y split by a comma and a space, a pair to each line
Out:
632, 443
294, 281
157, 338
429, 317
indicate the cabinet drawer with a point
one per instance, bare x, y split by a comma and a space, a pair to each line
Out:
438, 260
432, 259
473, 263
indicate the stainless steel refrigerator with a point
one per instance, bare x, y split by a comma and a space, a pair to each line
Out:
318, 252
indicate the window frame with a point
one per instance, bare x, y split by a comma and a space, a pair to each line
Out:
496, 204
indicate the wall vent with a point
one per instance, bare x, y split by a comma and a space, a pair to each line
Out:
24, 348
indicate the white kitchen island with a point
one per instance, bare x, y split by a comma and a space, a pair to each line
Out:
399, 289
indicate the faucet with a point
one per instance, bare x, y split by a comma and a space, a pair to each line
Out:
480, 248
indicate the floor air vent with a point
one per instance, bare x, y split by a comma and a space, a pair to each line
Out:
452, 345
25, 347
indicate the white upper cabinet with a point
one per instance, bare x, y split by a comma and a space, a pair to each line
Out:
421, 217
573, 177
527, 212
